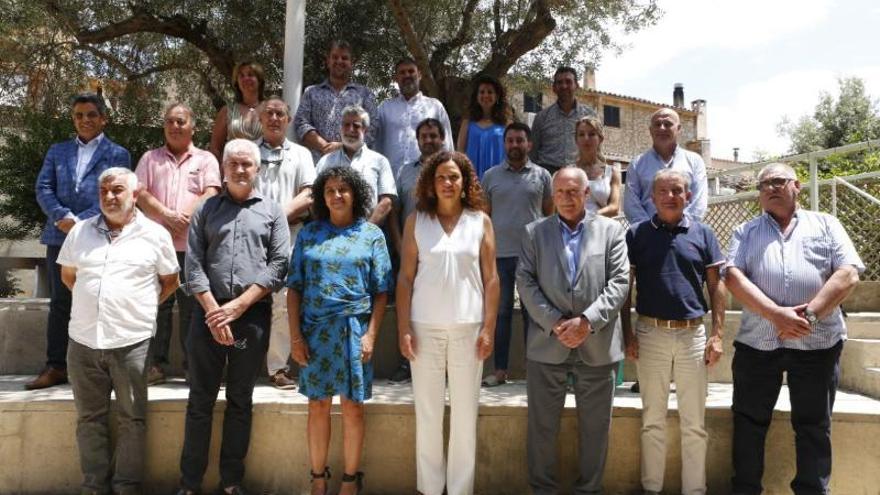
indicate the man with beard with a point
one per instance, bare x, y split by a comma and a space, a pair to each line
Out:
374, 167
553, 144
286, 176
398, 117
518, 192
119, 266
319, 115
174, 180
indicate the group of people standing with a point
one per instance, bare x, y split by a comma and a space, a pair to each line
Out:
517, 208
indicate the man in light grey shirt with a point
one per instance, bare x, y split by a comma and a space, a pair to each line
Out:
286, 176
553, 143
518, 192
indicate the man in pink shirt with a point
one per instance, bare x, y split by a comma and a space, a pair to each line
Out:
174, 179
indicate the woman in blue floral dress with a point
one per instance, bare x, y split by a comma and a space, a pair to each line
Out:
339, 278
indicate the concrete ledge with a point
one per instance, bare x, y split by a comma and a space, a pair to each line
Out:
38, 450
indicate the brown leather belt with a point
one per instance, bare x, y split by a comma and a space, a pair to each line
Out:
657, 322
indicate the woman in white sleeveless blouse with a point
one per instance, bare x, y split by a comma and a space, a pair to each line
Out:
447, 301
241, 118
605, 182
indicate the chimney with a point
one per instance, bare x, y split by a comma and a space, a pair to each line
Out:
590, 77
678, 95
736, 154
702, 124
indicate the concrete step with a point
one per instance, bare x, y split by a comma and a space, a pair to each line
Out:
38, 430
864, 381
863, 326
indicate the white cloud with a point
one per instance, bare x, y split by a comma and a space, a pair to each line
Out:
749, 119
690, 25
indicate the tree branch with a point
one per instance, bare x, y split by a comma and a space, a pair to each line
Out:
415, 47
515, 43
464, 34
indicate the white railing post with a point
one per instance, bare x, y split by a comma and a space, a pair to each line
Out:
814, 184
834, 198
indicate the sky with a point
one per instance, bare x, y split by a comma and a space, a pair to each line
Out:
753, 61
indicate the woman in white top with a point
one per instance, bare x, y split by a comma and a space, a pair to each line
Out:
447, 301
604, 179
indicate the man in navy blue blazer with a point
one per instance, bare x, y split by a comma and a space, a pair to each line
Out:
67, 191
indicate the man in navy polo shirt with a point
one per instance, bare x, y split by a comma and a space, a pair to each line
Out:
671, 257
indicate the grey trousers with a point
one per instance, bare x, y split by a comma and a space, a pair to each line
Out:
594, 393
93, 374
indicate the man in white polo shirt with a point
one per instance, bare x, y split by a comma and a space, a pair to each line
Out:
119, 265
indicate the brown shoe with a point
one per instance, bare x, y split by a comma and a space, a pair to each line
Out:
155, 376
49, 377
282, 381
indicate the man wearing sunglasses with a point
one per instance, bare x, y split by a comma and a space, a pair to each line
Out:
790, 268
67, 191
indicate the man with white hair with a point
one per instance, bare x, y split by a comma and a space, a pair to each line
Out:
672, 257
237, 255
119, 266
573, 276
665, 153
791, 269
374, 167
175, 178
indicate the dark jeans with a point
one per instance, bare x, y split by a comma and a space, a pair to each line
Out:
94, 373
244, 362
504, 325
165, 325
59, 312
812, 383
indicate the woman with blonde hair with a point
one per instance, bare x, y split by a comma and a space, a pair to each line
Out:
605, 179
241, 118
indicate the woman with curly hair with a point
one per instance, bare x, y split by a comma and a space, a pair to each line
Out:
481, 134
447, 301
339, 278
241, 118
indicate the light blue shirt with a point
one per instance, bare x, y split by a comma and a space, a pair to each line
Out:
395, 128
373, 167
84, 154
637, 202
790, 270
571, 245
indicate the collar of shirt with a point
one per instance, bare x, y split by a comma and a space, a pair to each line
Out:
326, 84
667, 163
683, 224
773, 223
568, 231
101, 226
357, 154
285, 145
91, 144
563, 112
412, 101
525, 167
254, 196
186, 155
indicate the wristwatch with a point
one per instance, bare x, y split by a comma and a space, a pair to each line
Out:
810, 316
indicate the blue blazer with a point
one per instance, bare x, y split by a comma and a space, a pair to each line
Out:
56, 188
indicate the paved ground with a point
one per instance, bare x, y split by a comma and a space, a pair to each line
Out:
512, 394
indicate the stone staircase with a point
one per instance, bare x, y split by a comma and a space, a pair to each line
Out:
860, 362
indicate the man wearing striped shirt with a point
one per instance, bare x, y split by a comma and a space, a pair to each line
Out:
790, 268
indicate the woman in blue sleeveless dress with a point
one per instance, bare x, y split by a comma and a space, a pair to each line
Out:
481, 135
339, 278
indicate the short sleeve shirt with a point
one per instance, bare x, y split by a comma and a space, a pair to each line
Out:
373, 167
178, 184
284, 171
670, 263
116, 293
516, 198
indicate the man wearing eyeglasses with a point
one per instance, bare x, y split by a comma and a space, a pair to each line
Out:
790, 268
286, 176
665, 153
174, 179
67, 191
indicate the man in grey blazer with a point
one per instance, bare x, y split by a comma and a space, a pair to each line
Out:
573, 277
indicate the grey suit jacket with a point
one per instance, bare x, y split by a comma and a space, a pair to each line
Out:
602, 283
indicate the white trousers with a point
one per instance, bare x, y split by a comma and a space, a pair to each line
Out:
442, 352
279, 336
678, 354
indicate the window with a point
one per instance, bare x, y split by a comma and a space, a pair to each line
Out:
532, 103
611, 116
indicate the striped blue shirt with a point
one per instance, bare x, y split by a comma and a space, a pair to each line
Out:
571, 245
791, 270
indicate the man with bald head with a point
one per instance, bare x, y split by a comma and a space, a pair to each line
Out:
665, 128
174, 179
790, 268
573, 298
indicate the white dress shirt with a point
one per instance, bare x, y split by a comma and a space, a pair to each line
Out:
396, 127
